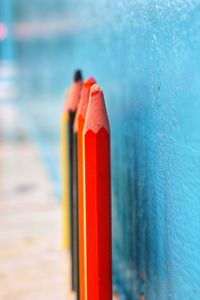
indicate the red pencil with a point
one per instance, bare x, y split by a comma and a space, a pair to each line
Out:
78, 127
98, 198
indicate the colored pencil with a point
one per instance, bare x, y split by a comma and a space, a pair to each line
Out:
70, 111
75, 216
78, 128
98, 198
65, 180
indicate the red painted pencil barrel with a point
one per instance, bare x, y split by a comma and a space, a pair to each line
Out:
98, 199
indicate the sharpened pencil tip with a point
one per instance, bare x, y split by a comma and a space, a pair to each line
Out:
89, 82
95, 89
77, 75
96, 116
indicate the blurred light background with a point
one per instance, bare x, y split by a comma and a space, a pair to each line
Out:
146, 57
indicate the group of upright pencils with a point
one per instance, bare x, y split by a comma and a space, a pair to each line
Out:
86, 197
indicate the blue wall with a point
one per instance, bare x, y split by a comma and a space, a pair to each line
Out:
146, 57
6, 51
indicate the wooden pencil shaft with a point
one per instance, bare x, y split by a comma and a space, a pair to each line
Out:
98, 214
70, 145
65, 181
81, 213
75, 216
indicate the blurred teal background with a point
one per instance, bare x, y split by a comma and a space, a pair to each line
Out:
146, 57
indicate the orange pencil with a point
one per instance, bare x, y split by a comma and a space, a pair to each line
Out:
71, 108
98, 198
78, 127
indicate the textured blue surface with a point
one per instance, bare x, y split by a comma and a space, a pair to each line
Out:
146, 57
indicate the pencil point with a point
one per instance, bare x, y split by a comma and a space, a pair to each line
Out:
96, 116
95, 89
77, 75
89, 82
74, 95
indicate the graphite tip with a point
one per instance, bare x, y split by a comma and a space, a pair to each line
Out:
77, 75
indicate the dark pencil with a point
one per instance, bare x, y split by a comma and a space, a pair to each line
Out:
71, 107
75, 214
